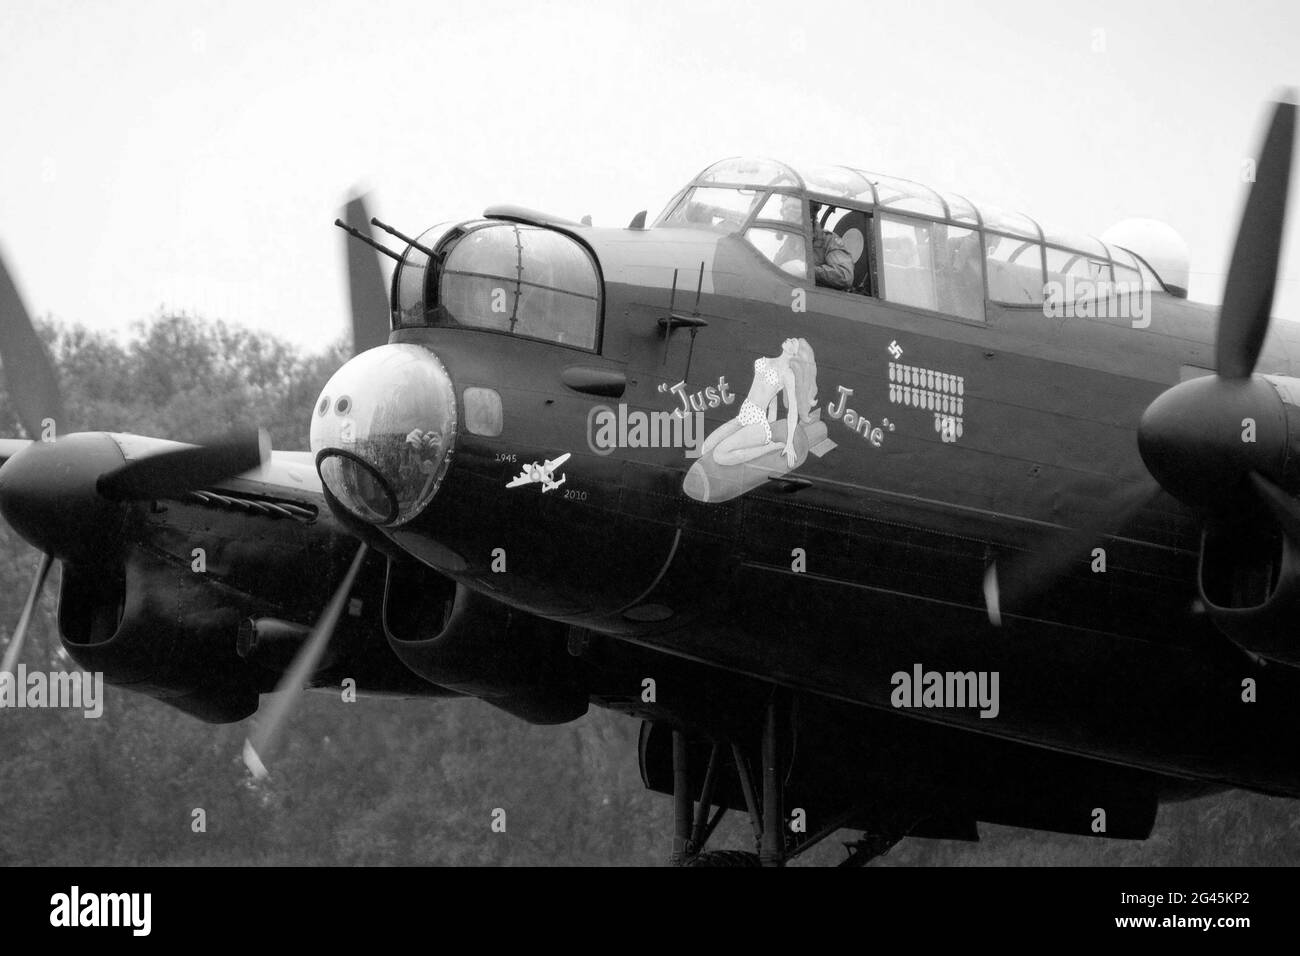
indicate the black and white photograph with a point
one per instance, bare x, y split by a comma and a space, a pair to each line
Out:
580, 435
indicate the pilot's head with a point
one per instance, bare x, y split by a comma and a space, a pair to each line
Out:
791, 209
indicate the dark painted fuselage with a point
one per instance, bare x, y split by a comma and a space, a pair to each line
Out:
868, 558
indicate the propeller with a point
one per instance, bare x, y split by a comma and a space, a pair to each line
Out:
1285, 509
1190, 438
1252, 276
33, 387
366, 286
1016, 582
269, 726
64, 494
54, 492
29, 373
171, 473
370, 327
15, 648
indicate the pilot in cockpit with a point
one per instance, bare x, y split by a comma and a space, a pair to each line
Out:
832, 261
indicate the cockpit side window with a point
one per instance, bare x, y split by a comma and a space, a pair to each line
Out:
713, 207
907, 262
1074, 276
784, 248
1015, 269
778, 233
959, 271
932, 265
783, 208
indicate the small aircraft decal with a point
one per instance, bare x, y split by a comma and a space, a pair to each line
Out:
543, 472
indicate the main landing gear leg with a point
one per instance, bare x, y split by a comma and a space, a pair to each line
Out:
776, 728
683, 800
766, 813
693, 824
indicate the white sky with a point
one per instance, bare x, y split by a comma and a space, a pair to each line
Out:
195, 154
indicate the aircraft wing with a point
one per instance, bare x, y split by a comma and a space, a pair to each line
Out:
288, 473
553, 463
284, 474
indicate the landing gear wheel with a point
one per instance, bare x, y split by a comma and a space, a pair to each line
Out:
727, 858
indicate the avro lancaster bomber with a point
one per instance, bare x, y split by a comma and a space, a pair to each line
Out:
999, 527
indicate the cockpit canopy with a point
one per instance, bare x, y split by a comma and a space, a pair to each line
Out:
501, 276
763, 200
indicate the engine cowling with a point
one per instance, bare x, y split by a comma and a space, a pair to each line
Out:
461, 640
1202, 438
124, 623
1230, 448
1250, 586
210, 642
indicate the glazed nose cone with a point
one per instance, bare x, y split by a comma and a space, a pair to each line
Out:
383, 431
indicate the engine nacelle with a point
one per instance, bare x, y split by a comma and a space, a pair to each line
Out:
461, 640
1250, 586
127, 626
207, 642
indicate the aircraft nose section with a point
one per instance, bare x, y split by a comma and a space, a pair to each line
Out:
383, 430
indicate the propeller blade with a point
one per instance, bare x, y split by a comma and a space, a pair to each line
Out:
172, 473
1252, 276
992, 595
1014, 583
366, 284
29, 374
15, 647
259, 743
1285, 508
